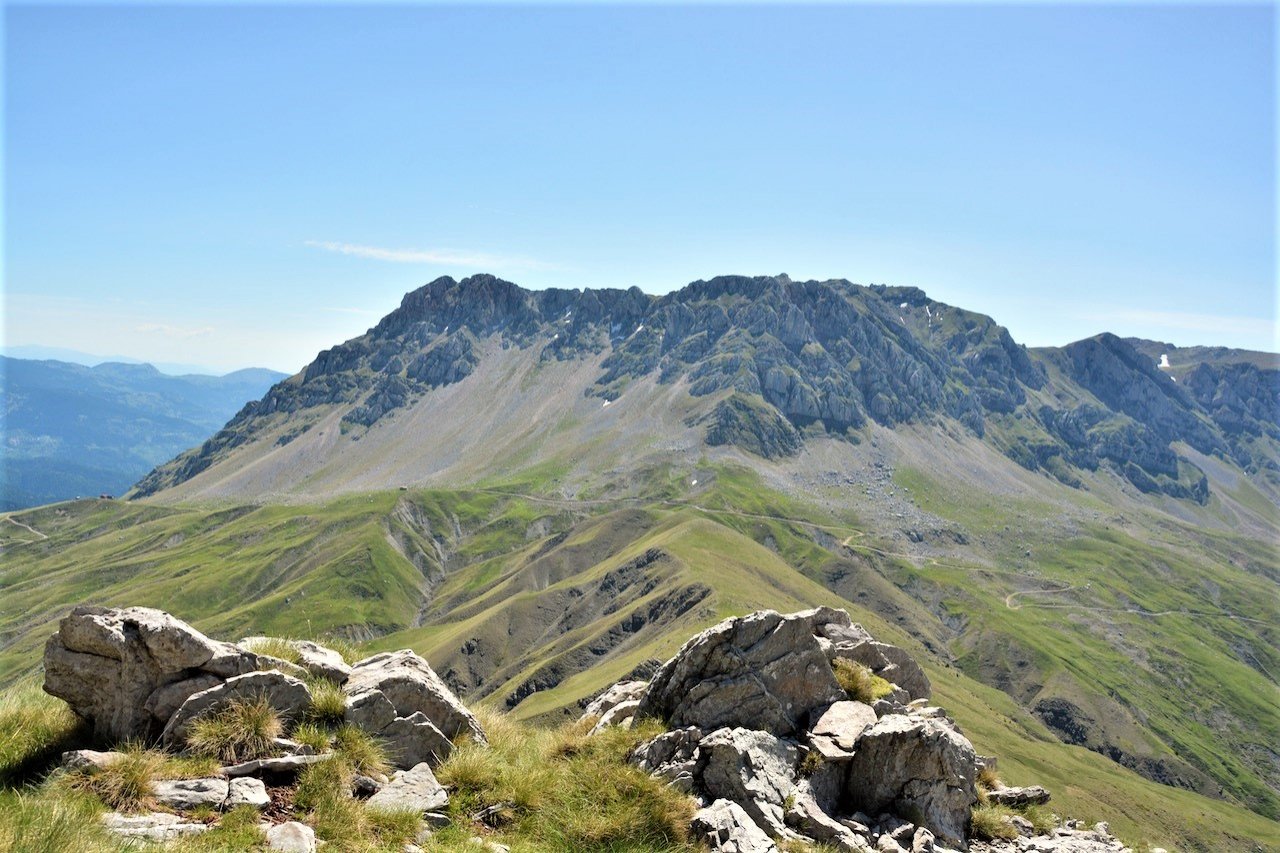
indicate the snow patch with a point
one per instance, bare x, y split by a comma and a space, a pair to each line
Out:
1164, 359
606, 404
904, 305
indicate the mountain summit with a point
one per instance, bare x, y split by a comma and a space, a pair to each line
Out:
468, 378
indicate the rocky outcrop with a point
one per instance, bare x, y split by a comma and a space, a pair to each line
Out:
763, 671
724, 826
907, 764
398, 696
140, 674
759, 720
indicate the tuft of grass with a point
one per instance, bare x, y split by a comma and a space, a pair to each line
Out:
125, 784
562, 790
1044, 820
328, 702
237, 830
351, 651
313, 735
991, 823
987, 778
276, 647
241, 730
35, 729
360, 750
859, 681
52, 822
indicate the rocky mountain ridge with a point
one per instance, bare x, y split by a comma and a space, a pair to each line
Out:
769, 364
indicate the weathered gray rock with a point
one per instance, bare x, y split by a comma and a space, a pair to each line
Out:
187, 794
1030, 795
805, 816
919, 766
412, 740
166, 699
411, 685
619, 715
369, 709
623, 691
285, 765
727, 828
158, 827
230, 660
754, 769
286, 694
291, 837
837, 730
764, 671
247, 791
88, 759
413, 790
106, 663
673, 756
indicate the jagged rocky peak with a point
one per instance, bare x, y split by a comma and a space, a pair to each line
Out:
771, 363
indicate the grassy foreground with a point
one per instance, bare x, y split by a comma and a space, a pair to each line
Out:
537, 789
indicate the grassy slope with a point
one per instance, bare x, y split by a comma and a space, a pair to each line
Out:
337, 569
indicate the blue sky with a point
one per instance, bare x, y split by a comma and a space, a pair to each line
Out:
246, 185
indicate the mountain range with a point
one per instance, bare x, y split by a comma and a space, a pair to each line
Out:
72, 430
541, 491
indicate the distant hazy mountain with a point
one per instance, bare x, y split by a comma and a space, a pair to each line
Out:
36, 352
72, 430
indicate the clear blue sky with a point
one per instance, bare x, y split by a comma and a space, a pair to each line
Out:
244, 185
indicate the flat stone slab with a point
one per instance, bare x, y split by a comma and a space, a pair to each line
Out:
159, 827
285, 765
187, 794
414, 790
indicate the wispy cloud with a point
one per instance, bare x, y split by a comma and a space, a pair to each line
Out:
1216, 324
169, 331
443, 257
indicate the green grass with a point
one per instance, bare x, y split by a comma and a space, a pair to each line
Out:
35, 729
1191, 685
242, 730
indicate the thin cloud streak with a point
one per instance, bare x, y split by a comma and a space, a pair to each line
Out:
443, 257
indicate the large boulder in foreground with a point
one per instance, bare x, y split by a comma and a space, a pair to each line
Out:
107, 662
409, 682
918, 766
763, 671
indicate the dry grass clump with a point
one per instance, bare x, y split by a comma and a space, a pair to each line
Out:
241, 730
859, 681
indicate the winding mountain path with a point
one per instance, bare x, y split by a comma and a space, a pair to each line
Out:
39, 536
